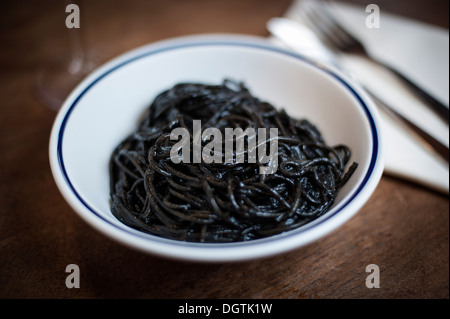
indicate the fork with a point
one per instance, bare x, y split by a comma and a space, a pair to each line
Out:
336, 36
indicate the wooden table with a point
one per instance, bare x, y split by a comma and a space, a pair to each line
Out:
403, 228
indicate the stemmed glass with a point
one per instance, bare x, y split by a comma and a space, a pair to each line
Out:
59, 76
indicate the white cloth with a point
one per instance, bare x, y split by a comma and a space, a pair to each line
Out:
420, 51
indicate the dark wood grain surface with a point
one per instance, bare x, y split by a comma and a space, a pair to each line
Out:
403, 228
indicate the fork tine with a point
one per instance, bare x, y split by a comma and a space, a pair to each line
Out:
343, 33
316, 22
320, 18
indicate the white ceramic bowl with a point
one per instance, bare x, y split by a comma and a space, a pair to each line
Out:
106, 106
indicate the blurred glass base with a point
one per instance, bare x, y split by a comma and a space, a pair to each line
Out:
57, 78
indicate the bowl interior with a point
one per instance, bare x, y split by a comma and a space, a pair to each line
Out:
107, 107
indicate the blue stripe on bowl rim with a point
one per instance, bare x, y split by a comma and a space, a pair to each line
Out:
152, 51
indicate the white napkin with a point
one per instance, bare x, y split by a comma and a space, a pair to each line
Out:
421, 52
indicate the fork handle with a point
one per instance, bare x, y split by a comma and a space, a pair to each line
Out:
426, 140
439, 108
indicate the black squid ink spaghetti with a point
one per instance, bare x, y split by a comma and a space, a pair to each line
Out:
222, 202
